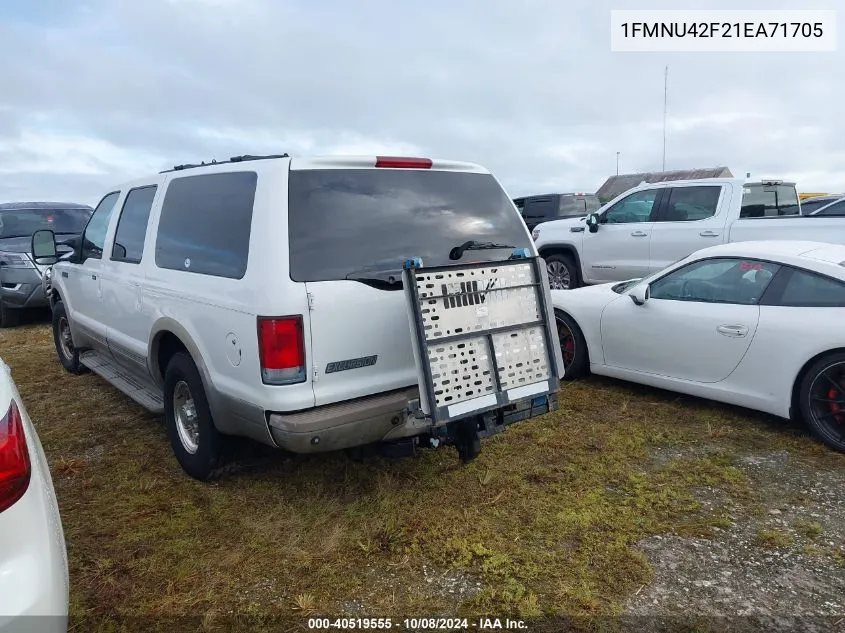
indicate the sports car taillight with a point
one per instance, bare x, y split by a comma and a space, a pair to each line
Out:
15, 467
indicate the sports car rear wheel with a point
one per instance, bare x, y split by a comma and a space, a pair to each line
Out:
822, 394
573, 347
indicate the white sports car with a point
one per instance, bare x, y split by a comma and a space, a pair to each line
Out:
754, 324
33, 562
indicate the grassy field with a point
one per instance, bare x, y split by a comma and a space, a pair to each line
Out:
545, 521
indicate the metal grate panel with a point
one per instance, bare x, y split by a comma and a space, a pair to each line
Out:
481, 331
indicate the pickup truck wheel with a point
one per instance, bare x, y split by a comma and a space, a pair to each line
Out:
573, 347
67, 353
196, 442
822, 400
562, 272
8, 316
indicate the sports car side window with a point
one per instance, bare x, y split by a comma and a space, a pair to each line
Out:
806, 289
718, 280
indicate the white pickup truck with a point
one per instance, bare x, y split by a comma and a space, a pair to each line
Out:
654, 225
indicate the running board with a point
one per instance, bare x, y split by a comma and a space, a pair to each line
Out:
142, 392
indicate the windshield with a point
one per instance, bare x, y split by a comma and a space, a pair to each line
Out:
808, 206
341, 221
25, 222
763, 201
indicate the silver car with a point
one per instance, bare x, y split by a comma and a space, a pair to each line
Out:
20, 276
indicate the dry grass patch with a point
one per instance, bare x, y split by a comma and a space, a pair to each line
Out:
544, 521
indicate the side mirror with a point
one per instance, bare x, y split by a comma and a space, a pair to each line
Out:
640, 294
44, 247
593, 222
119, 251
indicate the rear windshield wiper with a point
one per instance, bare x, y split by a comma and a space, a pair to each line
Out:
473, 245
380, 278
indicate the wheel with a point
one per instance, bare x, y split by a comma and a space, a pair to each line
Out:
822, 400
9, 317
197, 444
563, 275
573, 347
68, 354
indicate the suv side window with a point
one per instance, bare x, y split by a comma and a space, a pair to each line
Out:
802, 288
205, 224
131, 230
94, 236
688, 204
718, 280
637, 207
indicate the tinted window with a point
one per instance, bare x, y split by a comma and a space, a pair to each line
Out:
804, 288
593, 204
205, 224
837, 208
762, 201
722, 280
811, 204
572, 206
687, 204
25, 222
341, 221
539, 208
95, 233
635, 208
132, 225
520, 204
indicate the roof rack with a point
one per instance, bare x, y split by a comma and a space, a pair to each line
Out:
233, 159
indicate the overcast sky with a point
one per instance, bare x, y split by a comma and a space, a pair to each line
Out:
95, 92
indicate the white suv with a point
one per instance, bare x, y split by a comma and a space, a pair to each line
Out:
257, 297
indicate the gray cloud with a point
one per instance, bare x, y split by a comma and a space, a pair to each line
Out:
529, 89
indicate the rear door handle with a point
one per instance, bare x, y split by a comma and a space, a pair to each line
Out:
709, 234
639, 234
732, 330
94, 277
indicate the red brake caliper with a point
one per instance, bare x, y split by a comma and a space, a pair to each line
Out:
835, 407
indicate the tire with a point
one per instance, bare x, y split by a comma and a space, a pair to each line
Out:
573, 347
563, 274
67, 353
201, 455
9, 317
822, 400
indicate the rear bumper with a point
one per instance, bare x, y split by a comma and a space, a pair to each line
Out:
347, 424
381, 418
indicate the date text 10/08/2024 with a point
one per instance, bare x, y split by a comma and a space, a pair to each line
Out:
416, 624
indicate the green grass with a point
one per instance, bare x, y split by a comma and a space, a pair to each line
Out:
545, 521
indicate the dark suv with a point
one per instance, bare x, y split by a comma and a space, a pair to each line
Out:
20, 276
553, 206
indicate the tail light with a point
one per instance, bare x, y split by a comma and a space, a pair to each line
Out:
402, 162
15, 467
281, 350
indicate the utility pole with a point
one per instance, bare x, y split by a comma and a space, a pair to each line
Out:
665, 101
617, 163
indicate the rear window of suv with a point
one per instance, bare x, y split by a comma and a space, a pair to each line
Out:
765, 201
343, 220
573, 206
